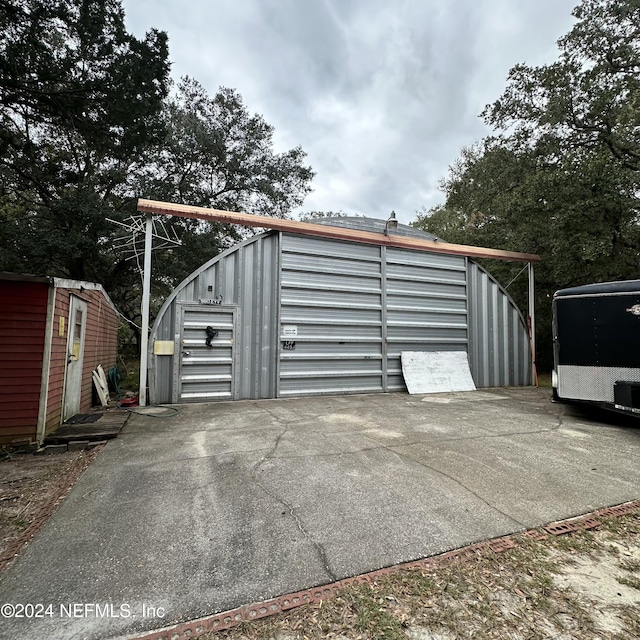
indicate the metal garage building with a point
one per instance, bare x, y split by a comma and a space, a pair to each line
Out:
290, 314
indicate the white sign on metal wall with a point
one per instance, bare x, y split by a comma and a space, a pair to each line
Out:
289, 330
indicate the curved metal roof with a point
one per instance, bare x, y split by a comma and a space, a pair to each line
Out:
374, 225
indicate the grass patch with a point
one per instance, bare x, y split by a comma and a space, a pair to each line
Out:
491, 596
583, 543
631, 617
629, 581
129, 371
544, 380
8, 452
20, 523
372, 614
631, 564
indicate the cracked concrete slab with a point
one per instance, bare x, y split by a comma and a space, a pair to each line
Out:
229, 503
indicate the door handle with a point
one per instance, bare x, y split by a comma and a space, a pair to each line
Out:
211, 334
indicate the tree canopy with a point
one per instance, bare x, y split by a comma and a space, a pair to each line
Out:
216, 153
80, 99
561, 174
589, 98
89, 123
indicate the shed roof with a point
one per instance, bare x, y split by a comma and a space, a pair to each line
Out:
59, 283
330, 231
24, 277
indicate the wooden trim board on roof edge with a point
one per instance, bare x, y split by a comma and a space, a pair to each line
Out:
327, 231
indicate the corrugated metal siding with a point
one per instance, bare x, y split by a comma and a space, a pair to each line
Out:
331, 293
320, 316
244, 276
499, 351
357, 307
206, 371
23, 314
361, 223
426, 303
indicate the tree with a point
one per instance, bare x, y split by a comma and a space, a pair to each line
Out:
87, 126
312, 216
216, 154
590, 97
561, 176
80, 99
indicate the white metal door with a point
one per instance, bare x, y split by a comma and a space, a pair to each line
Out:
206, 361
77, 327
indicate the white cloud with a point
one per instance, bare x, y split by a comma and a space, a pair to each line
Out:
381, 95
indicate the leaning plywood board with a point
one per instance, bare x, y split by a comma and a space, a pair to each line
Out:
101, 385
436, 371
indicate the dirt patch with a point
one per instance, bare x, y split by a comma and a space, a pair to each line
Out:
31, 489
579, 586
609, 582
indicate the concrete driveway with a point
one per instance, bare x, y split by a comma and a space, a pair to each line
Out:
230, 503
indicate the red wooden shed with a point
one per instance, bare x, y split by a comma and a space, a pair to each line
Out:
53, 334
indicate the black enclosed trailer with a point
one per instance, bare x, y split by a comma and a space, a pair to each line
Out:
596, 333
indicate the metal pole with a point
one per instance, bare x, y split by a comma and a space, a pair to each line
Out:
146, 295
532, 316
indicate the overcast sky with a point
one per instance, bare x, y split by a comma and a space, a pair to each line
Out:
381, 94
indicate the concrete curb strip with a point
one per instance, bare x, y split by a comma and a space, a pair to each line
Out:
233, 617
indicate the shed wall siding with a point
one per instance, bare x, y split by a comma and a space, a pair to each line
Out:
426, 301
357, 307
499, 350
101, 342
246, 277
58, 361
331, 292
100, 347
23, 314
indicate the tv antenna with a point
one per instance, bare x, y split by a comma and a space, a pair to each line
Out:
137, 239
131, 242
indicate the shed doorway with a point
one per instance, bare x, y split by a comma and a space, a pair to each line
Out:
205, 366
75, 357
